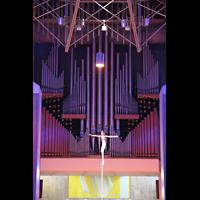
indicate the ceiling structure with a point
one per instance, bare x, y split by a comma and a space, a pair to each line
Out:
77, 21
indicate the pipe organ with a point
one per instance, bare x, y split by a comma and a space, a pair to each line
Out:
55, 139
145, 137
148, 83
52, 81
96, 96
75, 102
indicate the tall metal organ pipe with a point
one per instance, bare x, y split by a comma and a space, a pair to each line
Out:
106, 86
93, 117
130, 75
71, 77
99, 92
88, 90
111, 87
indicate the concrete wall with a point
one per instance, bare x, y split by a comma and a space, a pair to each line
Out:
141, 188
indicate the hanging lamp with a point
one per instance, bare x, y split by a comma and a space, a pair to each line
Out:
99, 59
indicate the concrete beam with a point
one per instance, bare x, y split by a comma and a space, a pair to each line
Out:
133, 25
77, 3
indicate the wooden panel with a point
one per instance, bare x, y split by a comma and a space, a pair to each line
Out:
146, 96
74, 116
124, 116
157, 189
57, 95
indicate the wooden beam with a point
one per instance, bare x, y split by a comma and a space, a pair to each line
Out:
148, 96
125, 116
57, 95
133, 25
74, 116
77, 3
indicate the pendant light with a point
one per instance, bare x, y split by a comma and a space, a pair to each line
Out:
99, 59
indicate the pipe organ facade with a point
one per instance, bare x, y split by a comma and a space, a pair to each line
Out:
148, 83
96, 97
51, 80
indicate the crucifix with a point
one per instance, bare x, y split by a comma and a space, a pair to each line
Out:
103, 146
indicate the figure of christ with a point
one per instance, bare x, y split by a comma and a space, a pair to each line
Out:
103, 140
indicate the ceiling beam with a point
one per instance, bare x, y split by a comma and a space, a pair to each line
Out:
77, 3
133, 25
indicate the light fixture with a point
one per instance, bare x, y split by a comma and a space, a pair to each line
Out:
146, 22
78, 27
60, 20
104, 28
82, 22
99, 59
127, 28
123, 23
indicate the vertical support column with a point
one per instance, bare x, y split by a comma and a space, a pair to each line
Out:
37, 107
93, 117
162, 116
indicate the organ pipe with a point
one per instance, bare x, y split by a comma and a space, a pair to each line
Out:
124, 101
145, 136
54, 137
88, 90
71, 77
111, 87
106, 87
149, 83
93, 117
51, 82
99, 92
130, 74
99, 97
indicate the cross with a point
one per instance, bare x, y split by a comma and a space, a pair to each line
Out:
103, 146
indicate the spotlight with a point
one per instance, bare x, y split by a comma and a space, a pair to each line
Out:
146, 22
82, 22
104, 28
123, 23
60, 20
78, 27
127, 28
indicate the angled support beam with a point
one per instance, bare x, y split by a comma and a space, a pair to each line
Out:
77, 3
133, 25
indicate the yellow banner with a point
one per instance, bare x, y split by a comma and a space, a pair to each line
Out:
90, 187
